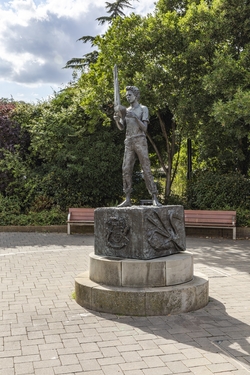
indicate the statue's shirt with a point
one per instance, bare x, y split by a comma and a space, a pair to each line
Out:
132, 127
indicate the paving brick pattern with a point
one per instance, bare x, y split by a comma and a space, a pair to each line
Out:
44, 332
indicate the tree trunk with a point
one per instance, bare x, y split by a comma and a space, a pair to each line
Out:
170, 149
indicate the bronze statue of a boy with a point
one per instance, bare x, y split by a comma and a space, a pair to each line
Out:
135, 120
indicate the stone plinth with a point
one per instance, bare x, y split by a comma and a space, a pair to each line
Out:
139, 266
159, 272
139, 232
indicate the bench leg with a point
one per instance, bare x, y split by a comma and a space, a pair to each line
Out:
68, 228
234, 233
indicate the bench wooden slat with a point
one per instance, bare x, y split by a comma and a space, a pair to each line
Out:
80, 216
212, 219
81, 221
81, 211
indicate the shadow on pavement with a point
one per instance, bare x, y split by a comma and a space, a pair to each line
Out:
209, 329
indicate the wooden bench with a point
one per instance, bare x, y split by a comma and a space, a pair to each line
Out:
80, 216
211, 219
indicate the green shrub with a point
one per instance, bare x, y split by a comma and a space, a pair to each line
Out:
51, 217
207, 190
243, 217
175, 199
9, 205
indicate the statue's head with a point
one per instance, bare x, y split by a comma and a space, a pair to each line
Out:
134, 90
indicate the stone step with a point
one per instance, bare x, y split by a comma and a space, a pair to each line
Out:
177, 299
158, 272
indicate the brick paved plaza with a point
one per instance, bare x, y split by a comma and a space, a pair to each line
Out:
44, 332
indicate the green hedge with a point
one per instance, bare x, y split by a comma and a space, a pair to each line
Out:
34, 218
11, 214
208, 190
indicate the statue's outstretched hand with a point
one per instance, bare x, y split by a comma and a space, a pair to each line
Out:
120, 110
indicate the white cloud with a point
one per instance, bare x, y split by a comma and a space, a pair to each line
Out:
142, 7
73, 8
22, 10
38, 37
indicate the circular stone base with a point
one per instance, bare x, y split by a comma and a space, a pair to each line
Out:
176, 299
135, 273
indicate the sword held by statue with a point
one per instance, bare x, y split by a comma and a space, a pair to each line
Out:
119, 109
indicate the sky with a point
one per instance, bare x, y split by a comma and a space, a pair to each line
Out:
38, 37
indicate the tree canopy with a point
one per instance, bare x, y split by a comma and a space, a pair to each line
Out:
114, 10
190, 60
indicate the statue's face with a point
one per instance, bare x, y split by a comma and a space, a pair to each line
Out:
130, 96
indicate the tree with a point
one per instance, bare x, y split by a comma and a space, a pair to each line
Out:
115, 10
14, 141
138, 46
9, 130
214, 66
228, 84
176, 58
69, 164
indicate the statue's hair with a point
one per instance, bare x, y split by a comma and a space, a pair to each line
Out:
134, 90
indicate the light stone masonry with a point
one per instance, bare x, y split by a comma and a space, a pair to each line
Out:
24, 256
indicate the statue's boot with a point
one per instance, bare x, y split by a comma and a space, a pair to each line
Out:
155, 201
126, 203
